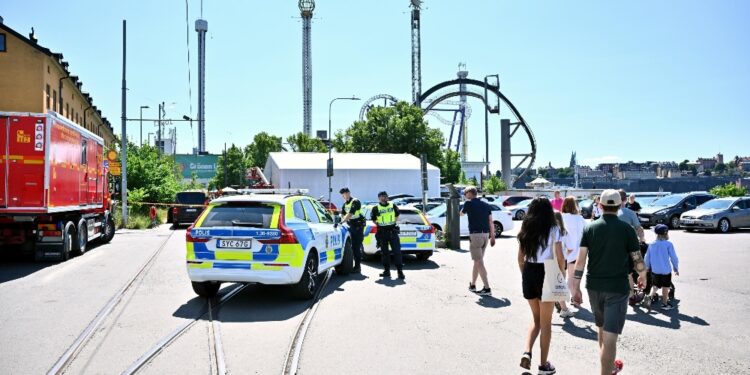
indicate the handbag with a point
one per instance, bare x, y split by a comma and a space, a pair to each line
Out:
554, 289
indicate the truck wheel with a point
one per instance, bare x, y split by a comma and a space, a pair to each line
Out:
81, 238
308, 283
347, 260
206, 289
67, 245
108, 231
424, 255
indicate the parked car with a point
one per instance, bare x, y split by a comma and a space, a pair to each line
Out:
510, 200
667, 210
501, 218
645, 199
415, 232
188, 206
585, 207
413, 200
518, 212
430, 206
721, 214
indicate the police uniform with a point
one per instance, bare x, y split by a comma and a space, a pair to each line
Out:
356, 227
384, 216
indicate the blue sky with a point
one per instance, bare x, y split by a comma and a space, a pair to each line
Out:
637, 80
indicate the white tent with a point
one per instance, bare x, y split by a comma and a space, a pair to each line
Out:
364, 174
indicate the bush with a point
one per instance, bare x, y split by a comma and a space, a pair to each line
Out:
493, 185
728, 190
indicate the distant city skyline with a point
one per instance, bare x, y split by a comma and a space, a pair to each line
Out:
614, 82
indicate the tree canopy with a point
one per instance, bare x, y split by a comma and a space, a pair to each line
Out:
301, 142
233, 165
256, 153
729, 190
151, 178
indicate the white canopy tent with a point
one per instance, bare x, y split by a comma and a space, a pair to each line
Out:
364, 174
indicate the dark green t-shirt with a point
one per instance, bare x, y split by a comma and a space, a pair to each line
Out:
609, 241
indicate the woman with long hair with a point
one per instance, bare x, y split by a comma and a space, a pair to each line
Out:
538, 238
574, 224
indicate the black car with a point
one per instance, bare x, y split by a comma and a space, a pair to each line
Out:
667, 210
188, 206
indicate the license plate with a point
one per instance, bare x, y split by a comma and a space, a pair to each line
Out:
234, 244
688, 221
644, 220
409, 233
191, 210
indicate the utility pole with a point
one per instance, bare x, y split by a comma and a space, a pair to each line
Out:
141, 121
159, 145
225, 164
124, 149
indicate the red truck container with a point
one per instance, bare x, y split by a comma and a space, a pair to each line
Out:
54, 195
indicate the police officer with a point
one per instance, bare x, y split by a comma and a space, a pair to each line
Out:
385, 215
352, 213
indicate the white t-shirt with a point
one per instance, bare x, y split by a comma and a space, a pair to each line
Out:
574, 225
545, 253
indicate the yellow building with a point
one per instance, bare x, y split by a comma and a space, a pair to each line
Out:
35, 79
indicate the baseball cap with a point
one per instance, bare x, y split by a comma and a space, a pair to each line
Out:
661, 229
610, 197
382, 194
344, 190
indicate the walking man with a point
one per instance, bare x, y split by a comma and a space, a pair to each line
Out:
385, 216
352, 213
607, 243
481, 231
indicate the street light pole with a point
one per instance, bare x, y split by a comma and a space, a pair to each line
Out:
142, 107
329, 167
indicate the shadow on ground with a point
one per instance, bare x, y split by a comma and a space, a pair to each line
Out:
676, 318
16, 263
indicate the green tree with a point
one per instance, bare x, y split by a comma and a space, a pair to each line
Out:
450, 167
153, 178
720, 168
494, 185
473, 181
301, 142
683, 166
399, 129
256, 153
193, 184
729, 190
565, 172
235, 169
462, 179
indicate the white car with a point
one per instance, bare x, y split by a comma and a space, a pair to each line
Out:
416, 234
518, 212
265, 239
501, 217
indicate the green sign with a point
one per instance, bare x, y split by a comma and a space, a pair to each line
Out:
203, 166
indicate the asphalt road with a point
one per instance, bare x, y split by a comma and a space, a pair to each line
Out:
427, 324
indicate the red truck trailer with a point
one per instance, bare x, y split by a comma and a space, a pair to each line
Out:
54, 195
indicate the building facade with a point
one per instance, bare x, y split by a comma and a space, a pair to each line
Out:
35, 79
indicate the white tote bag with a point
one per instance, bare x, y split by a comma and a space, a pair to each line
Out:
555, 289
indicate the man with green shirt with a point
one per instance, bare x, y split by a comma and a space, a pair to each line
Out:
609, 244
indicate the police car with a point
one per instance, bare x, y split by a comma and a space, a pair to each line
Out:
268, 239
416, 234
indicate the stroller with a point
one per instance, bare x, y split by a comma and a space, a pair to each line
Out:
640, 293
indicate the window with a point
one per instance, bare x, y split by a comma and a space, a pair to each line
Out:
54, 100
47, 95
325, 217
83, 152
67, 110
3, 48
299, 212
704, 198
239, 214
310, 210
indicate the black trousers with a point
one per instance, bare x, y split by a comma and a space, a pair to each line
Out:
357, 233
389, 243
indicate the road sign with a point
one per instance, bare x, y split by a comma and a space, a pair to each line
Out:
111, 155
115, 171
105, 164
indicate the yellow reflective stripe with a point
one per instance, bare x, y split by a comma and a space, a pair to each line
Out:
275, 218
424, 245
408, 239
292, 254
33, 161
199, 222
368, 239
201, 265
190, 251
263, 267
233, 255
330, 256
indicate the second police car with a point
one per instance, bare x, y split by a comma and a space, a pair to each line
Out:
266, 239
416, 234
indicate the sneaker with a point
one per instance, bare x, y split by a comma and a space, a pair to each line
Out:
547, 369
667, 306
526, 361
618, 366
485, 292
401, 275
385, 274
357, 269
472, 288
567, 313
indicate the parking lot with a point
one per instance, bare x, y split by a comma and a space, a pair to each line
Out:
430, 323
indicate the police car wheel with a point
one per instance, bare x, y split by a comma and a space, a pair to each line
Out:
206, 289
424, 255
347, 260
308, 283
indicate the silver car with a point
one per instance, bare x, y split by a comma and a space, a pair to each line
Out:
722, 214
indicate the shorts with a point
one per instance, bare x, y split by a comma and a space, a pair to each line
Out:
609, 310
532, 280
661, 281
477, 244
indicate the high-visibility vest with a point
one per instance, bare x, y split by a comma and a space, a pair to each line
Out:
355, 215
386, 215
